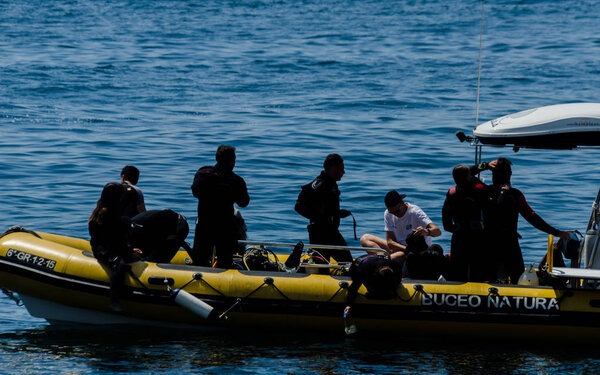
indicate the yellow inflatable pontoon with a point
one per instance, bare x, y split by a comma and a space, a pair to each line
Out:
58, 279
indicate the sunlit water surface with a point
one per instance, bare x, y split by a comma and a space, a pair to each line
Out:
89, 86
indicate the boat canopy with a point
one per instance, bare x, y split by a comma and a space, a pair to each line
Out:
561, 126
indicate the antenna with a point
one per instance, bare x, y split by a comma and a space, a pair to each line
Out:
479, 67
478, 146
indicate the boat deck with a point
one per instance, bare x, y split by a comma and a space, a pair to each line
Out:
578, 273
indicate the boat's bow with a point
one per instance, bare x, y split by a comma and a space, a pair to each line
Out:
556, 126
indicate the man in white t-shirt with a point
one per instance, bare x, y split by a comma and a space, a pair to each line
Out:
401, 219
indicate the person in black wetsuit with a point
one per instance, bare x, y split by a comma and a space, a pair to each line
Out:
462, 215
380, 275
129, 178
159, 234
501, 216
109, 230
217, 189
319, 201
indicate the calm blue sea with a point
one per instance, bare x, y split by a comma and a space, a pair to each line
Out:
89, 86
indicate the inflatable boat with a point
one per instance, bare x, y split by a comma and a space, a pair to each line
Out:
58, 279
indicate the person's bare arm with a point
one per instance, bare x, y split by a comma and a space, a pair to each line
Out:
392, 243
431, 230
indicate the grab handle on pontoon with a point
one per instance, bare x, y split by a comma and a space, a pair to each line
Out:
550, 253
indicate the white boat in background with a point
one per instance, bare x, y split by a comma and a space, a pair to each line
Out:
561, 126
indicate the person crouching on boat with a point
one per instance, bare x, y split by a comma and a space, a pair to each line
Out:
159, 234
401, 219
380, 275
501, 216
109, 230
462, 215
217, 189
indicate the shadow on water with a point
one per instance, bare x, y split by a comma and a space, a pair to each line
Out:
116, 349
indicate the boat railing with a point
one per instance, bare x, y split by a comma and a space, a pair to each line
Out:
316, 247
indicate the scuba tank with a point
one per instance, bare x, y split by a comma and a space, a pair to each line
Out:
529, 277
587, 251
195, 305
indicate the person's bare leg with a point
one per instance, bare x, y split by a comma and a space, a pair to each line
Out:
398, 256
369, 240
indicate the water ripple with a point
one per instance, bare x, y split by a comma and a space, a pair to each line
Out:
90, 86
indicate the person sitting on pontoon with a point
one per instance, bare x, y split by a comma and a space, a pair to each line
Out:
109, 229
401, 219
